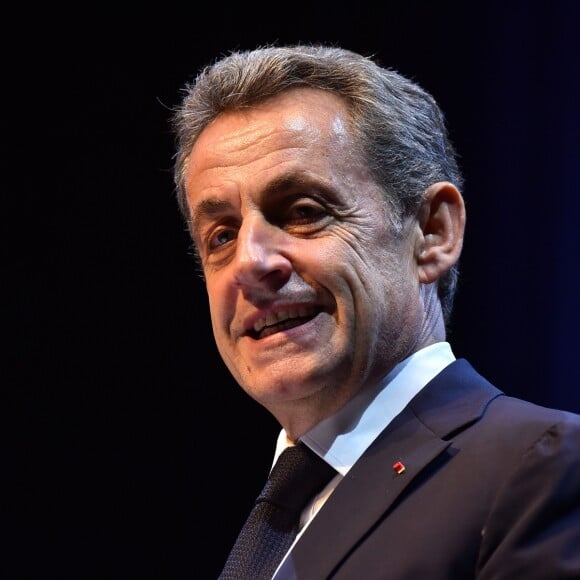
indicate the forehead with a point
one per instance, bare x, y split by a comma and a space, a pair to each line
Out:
297, 118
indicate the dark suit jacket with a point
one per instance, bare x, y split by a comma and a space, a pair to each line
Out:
490, 490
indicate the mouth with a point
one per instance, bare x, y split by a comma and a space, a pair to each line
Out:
282, 320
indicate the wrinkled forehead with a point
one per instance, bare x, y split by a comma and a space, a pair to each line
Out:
294, 111
307, 123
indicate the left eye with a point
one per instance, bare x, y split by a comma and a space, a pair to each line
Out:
305, 212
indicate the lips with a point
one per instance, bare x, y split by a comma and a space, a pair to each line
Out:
282, 320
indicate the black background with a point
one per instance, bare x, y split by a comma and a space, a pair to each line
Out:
132, 452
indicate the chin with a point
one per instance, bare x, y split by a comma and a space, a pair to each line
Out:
283, 391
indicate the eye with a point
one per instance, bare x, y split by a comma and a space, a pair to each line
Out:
221, 236
305, 211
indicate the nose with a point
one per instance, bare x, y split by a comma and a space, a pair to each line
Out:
259, 260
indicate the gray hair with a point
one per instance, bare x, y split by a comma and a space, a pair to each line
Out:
399, 126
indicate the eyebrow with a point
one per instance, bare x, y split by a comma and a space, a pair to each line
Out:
207, 209
285, 181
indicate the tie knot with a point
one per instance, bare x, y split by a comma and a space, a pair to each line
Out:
297, 475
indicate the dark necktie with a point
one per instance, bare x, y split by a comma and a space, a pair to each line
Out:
273, 522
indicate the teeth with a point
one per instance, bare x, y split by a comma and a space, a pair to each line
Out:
282, 315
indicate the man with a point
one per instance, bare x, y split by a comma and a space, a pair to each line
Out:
324, 201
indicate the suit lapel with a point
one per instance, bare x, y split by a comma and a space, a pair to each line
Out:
453, 400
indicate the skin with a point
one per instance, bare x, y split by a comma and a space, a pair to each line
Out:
288, 222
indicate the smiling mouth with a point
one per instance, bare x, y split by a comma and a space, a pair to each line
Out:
280, 321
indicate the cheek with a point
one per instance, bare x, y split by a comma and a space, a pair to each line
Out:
384, 289
218, 308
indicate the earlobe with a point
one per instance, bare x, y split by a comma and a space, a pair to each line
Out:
441, 225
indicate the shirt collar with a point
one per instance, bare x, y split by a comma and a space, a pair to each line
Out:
343, 437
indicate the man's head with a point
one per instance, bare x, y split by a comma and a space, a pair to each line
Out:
398, 126
322, 195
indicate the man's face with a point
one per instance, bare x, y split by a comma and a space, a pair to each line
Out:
312, 293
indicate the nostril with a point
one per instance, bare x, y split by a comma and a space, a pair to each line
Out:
279, 276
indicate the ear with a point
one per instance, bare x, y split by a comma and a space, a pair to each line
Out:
441, 225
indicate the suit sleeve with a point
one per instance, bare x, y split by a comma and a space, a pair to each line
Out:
533, 530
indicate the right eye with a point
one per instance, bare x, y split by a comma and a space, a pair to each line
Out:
221, 236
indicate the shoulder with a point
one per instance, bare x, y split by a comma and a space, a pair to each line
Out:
535, 513
515, 412
463, 404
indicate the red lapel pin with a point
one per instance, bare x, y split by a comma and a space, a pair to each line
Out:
399, 467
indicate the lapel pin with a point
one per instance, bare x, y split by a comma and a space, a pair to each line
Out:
399, 467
